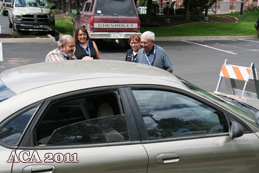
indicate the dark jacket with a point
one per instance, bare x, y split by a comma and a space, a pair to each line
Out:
80, 52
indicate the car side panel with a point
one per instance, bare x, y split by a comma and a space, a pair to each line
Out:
214, 154
5, 154
125, 158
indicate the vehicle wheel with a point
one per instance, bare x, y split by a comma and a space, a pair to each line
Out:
14, 29
10, 24
257, 32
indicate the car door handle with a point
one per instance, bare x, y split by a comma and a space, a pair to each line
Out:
39, 168
168, 158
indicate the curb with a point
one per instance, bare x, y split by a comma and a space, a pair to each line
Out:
28, 40
202, 38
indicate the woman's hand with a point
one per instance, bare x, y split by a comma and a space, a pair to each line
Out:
87, 58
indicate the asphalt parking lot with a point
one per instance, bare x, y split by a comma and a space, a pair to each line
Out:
199, 62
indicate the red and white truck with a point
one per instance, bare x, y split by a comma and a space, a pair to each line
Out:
108, 19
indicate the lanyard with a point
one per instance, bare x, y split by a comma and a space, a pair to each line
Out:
150, 63
132, 58
62, 54
88, 52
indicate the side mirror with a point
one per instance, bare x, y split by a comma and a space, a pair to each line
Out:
235, 129
53, 7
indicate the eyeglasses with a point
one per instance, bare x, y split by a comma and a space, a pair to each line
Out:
134, 43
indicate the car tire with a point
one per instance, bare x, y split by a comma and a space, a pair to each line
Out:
13, 27
10, 24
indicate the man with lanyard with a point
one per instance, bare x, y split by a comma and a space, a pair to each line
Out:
65, 50
153, 55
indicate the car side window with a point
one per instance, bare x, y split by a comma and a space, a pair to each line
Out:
87, 7
90, 119
170, 115
12, 130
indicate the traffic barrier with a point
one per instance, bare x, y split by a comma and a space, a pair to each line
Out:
246, 74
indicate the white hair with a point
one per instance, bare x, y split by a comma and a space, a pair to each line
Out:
149, 34
64, 39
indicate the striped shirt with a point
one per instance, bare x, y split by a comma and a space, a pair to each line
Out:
56, 55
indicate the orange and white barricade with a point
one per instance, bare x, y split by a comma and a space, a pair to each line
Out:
239, 73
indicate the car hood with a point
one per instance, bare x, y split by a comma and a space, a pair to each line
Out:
247, 100
32, 10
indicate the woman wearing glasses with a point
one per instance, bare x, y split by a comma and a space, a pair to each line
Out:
134, 42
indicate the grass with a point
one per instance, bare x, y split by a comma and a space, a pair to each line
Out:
64, 25
245, 26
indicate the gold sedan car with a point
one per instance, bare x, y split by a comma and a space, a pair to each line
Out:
116, 116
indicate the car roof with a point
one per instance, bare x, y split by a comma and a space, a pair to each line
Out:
32, 76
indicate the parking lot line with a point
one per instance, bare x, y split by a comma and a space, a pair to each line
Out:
209, 47
249, 40
1, 52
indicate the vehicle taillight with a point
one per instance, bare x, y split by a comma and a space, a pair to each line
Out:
3, 4
138, 23
91, 22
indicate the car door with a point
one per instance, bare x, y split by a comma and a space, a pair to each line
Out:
85, 15
11, 131
187, 134
86, 131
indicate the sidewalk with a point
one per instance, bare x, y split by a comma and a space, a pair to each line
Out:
28, 40
189, 38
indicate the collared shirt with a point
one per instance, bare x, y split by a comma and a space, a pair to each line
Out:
160, 59
56, 55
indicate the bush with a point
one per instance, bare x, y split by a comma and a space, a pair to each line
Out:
171, 11
254, 9
15, 34
143, 24
197, 14
179, 11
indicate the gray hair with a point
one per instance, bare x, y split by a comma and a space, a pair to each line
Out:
64, 39
149, 34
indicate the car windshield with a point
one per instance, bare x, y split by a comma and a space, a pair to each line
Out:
110, 8
5, 93
235, 106
31, 3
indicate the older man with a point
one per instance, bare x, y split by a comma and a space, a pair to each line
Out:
152, 54
65, 50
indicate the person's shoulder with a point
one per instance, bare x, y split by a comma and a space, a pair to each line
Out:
130, 51
159, 47
54, 51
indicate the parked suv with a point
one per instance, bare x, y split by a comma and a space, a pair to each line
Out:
31, 15
108, 19
4, 5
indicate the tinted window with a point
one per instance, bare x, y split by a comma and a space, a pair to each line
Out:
233, 105
5, 93
8, 0
169, 115
115, 8
12, 131
90, 119
87, 6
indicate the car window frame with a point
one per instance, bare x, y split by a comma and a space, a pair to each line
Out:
30, 140
141, 125
15, 115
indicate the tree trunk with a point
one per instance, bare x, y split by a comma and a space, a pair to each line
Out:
63, 6
59, 5
77, 4
69, 6
186, 10
149, 11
